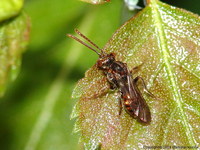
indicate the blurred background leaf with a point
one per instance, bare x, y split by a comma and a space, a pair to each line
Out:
14, 35
9, 8
36, 107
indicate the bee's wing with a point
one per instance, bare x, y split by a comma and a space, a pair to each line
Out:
139, 106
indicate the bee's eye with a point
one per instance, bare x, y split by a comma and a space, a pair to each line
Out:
119, 69
104, 66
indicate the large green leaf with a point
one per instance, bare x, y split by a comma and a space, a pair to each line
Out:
14, 35
167, 40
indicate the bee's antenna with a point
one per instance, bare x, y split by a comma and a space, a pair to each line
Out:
76, 30
80, 41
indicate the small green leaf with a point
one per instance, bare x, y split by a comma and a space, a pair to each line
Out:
9, 8
14, 35
96, 1
167, 40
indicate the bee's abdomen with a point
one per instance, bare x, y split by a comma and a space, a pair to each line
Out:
127, 106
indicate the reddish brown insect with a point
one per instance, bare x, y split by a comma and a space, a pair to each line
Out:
121, 78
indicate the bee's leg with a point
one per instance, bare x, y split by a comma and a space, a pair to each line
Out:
144, 85
113, 86
111, 79
136, 69
120, 106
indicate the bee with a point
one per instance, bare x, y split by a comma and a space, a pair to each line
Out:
120, 78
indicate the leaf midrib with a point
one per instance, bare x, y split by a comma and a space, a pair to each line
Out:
165, 56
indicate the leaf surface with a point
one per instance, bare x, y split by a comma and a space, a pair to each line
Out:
14, 35
167, 40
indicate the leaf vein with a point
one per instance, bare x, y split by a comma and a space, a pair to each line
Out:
192, 73
165, 56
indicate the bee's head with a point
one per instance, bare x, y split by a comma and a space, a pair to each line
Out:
105, 61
